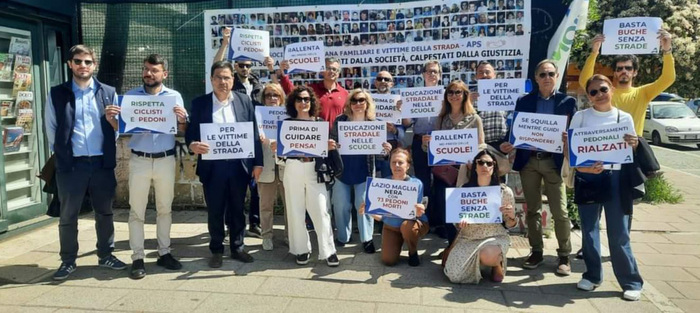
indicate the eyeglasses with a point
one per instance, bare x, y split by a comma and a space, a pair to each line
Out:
245, 65
545, 74
484, 163
432, 72
384, 79
358, 100
303, 99
271, 95
626, 68
594, 92
455, 92
79, 62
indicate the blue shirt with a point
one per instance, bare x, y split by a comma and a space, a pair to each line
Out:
153, 143
545, 106
424, 125
395, 221
87, 136
355, 169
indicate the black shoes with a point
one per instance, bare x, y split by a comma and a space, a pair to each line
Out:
303, 259
217, 259
332, 260
413, 259
138, 270
534, 260
369, 247
254, 231
169, 262
242, 256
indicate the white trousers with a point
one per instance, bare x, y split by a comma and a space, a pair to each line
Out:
143, 171
303, 193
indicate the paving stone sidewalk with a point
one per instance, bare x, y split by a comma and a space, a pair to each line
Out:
666, 241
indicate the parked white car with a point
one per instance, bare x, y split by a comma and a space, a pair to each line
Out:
671, 123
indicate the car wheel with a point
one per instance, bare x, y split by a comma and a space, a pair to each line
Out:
656, 138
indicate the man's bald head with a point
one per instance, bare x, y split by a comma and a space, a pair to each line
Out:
384, 81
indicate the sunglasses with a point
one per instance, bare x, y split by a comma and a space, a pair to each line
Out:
271, 95
545, 74
245, 65
384, 79
358, 100
602, 90
626, 68
79, 62
484, 163
455, 92
303, 99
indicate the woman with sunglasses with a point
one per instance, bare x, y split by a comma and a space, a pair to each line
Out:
479, 245
303, 192
356, 168
600, 93
457, 113
396, 230
270, 181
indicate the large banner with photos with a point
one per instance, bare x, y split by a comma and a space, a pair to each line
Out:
398, 37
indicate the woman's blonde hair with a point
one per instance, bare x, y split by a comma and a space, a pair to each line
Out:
370, 111
467, 107
277, 88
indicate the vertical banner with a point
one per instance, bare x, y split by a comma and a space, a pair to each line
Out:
249, 44
391, 198
631, 35
476, 205
421, 102
228, 140
540, 132
458, 146
499, 94
588, 145
361, 138
302, 139
267, 118
305, 57
559, 47
148, 114
386, 107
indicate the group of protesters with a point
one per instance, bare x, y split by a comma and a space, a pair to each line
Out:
81, 122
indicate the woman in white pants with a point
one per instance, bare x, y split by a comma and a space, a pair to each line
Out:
303, 192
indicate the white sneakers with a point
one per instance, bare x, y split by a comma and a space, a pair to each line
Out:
629, 295
267, 244
586, 285
632, 295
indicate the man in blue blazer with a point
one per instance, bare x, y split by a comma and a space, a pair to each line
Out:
224, 181
536, 167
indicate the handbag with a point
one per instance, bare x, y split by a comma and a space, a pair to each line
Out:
446, 173
592, 188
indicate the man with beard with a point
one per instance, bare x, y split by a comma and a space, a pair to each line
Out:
153, 159
81, 124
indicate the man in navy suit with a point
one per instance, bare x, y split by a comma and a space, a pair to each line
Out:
536, 167
224, 181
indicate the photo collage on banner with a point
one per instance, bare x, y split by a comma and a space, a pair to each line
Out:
397, 37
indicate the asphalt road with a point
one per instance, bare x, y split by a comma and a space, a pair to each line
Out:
681, 158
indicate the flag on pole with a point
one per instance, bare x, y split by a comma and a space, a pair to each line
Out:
560, 46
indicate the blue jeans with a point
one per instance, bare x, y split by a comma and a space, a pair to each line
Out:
623, 262
342, 208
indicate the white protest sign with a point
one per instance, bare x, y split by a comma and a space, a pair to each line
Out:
458, 146
228, 140
148, 114
631, 35
541, 132
478, 205
361, 138
386, 107
267, 118
302, 139
421, 102
391, 198
249, 44
605, 143
499, 94
305, 57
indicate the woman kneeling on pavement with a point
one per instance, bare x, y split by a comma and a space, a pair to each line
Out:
616, 196
480, 245
303, 191
396, 230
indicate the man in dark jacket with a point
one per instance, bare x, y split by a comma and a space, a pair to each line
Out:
536, 167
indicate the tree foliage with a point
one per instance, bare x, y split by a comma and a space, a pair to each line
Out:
681, 18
